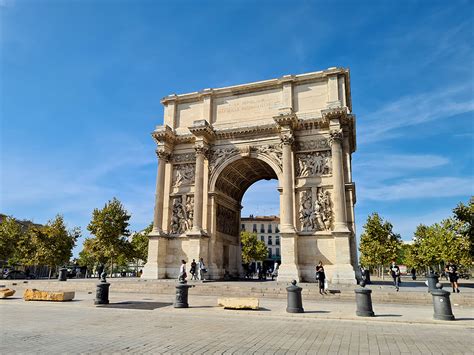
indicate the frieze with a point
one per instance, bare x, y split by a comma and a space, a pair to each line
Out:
183, 158
313, 164
320, 144
183, 174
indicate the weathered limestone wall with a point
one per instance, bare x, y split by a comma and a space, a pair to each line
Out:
298, 129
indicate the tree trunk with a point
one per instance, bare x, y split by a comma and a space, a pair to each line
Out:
49, 274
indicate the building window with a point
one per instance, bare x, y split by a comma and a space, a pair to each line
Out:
277, 230
262, 238
270, 242
270, 228
277, 251
262, 228
243, 227
254, 228
277, 240
269, 252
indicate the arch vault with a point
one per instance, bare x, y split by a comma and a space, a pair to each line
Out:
214, 144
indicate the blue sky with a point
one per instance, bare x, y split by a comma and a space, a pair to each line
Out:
81, 83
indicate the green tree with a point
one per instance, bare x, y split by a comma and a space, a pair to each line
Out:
465, 216
86, 258
140, 245
109, 225
252, 248
378, 244
50, 245
10, 234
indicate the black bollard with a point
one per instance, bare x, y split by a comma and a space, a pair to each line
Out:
182, 294
364, 302
432, 279
102, 291
62, 274
441, 303
295, 302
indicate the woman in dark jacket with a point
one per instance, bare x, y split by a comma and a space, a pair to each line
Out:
320, 276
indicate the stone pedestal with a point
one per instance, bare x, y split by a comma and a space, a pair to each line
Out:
155, 268
288, 270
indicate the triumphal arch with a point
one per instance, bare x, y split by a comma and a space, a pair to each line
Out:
214, 144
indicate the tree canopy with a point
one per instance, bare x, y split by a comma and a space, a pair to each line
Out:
252, 248
378, 244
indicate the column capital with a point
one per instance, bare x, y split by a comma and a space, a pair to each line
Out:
287, 138
335, 135
201, 148
163, 154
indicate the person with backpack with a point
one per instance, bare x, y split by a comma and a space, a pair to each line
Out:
395, 272
202, 269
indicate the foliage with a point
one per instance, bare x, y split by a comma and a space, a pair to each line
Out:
50, 245
140, 244
378, 244
86, 257
10, 234
109, 225
439, 244
252, 248
465, 216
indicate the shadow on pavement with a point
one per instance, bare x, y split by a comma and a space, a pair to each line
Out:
317, 312
136, 305
388, 315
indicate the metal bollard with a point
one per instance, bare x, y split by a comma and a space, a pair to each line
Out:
441, 304
182, 294
432, 279
62, 274
364, 302
102, 291
295, 302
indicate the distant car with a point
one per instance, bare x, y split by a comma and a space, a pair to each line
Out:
17, 275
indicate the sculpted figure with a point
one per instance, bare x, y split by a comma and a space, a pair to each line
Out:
306, 212
189, 212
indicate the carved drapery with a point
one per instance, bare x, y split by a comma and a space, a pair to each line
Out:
313, 164
183, 174
227, 221
315, 215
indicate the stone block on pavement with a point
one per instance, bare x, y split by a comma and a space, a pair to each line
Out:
238, 303
6, 292
37, 295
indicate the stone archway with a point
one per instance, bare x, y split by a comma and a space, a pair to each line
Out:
216, 143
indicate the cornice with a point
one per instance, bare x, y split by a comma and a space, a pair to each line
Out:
163, 134
255, 86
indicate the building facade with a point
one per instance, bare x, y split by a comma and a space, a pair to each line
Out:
214, 144
267, 229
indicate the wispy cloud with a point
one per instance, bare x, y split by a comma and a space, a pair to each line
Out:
417, 188
416, 109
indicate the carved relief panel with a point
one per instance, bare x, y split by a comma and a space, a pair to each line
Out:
315, 215
182, 214
227, 221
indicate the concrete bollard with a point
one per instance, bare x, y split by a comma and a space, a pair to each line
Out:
364, 302
102, 291
432, 279
441, 304
295, 302
62, 274
182, 294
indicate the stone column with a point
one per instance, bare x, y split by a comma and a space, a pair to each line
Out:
159, 196
201, 150
342, 270
339, 196
288, 199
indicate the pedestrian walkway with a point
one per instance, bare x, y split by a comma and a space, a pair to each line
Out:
148, 323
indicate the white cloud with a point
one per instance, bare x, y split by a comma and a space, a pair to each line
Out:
418, 188
416, 109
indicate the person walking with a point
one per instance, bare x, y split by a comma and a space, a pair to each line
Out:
413, 273
452, 271
395, 272
320, 277
192, 271
182, 271
202, 269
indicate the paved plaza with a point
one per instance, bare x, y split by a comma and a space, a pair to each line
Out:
143, 323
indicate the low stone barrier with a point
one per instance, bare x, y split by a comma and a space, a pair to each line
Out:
56, 296
6, 292
238, 303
